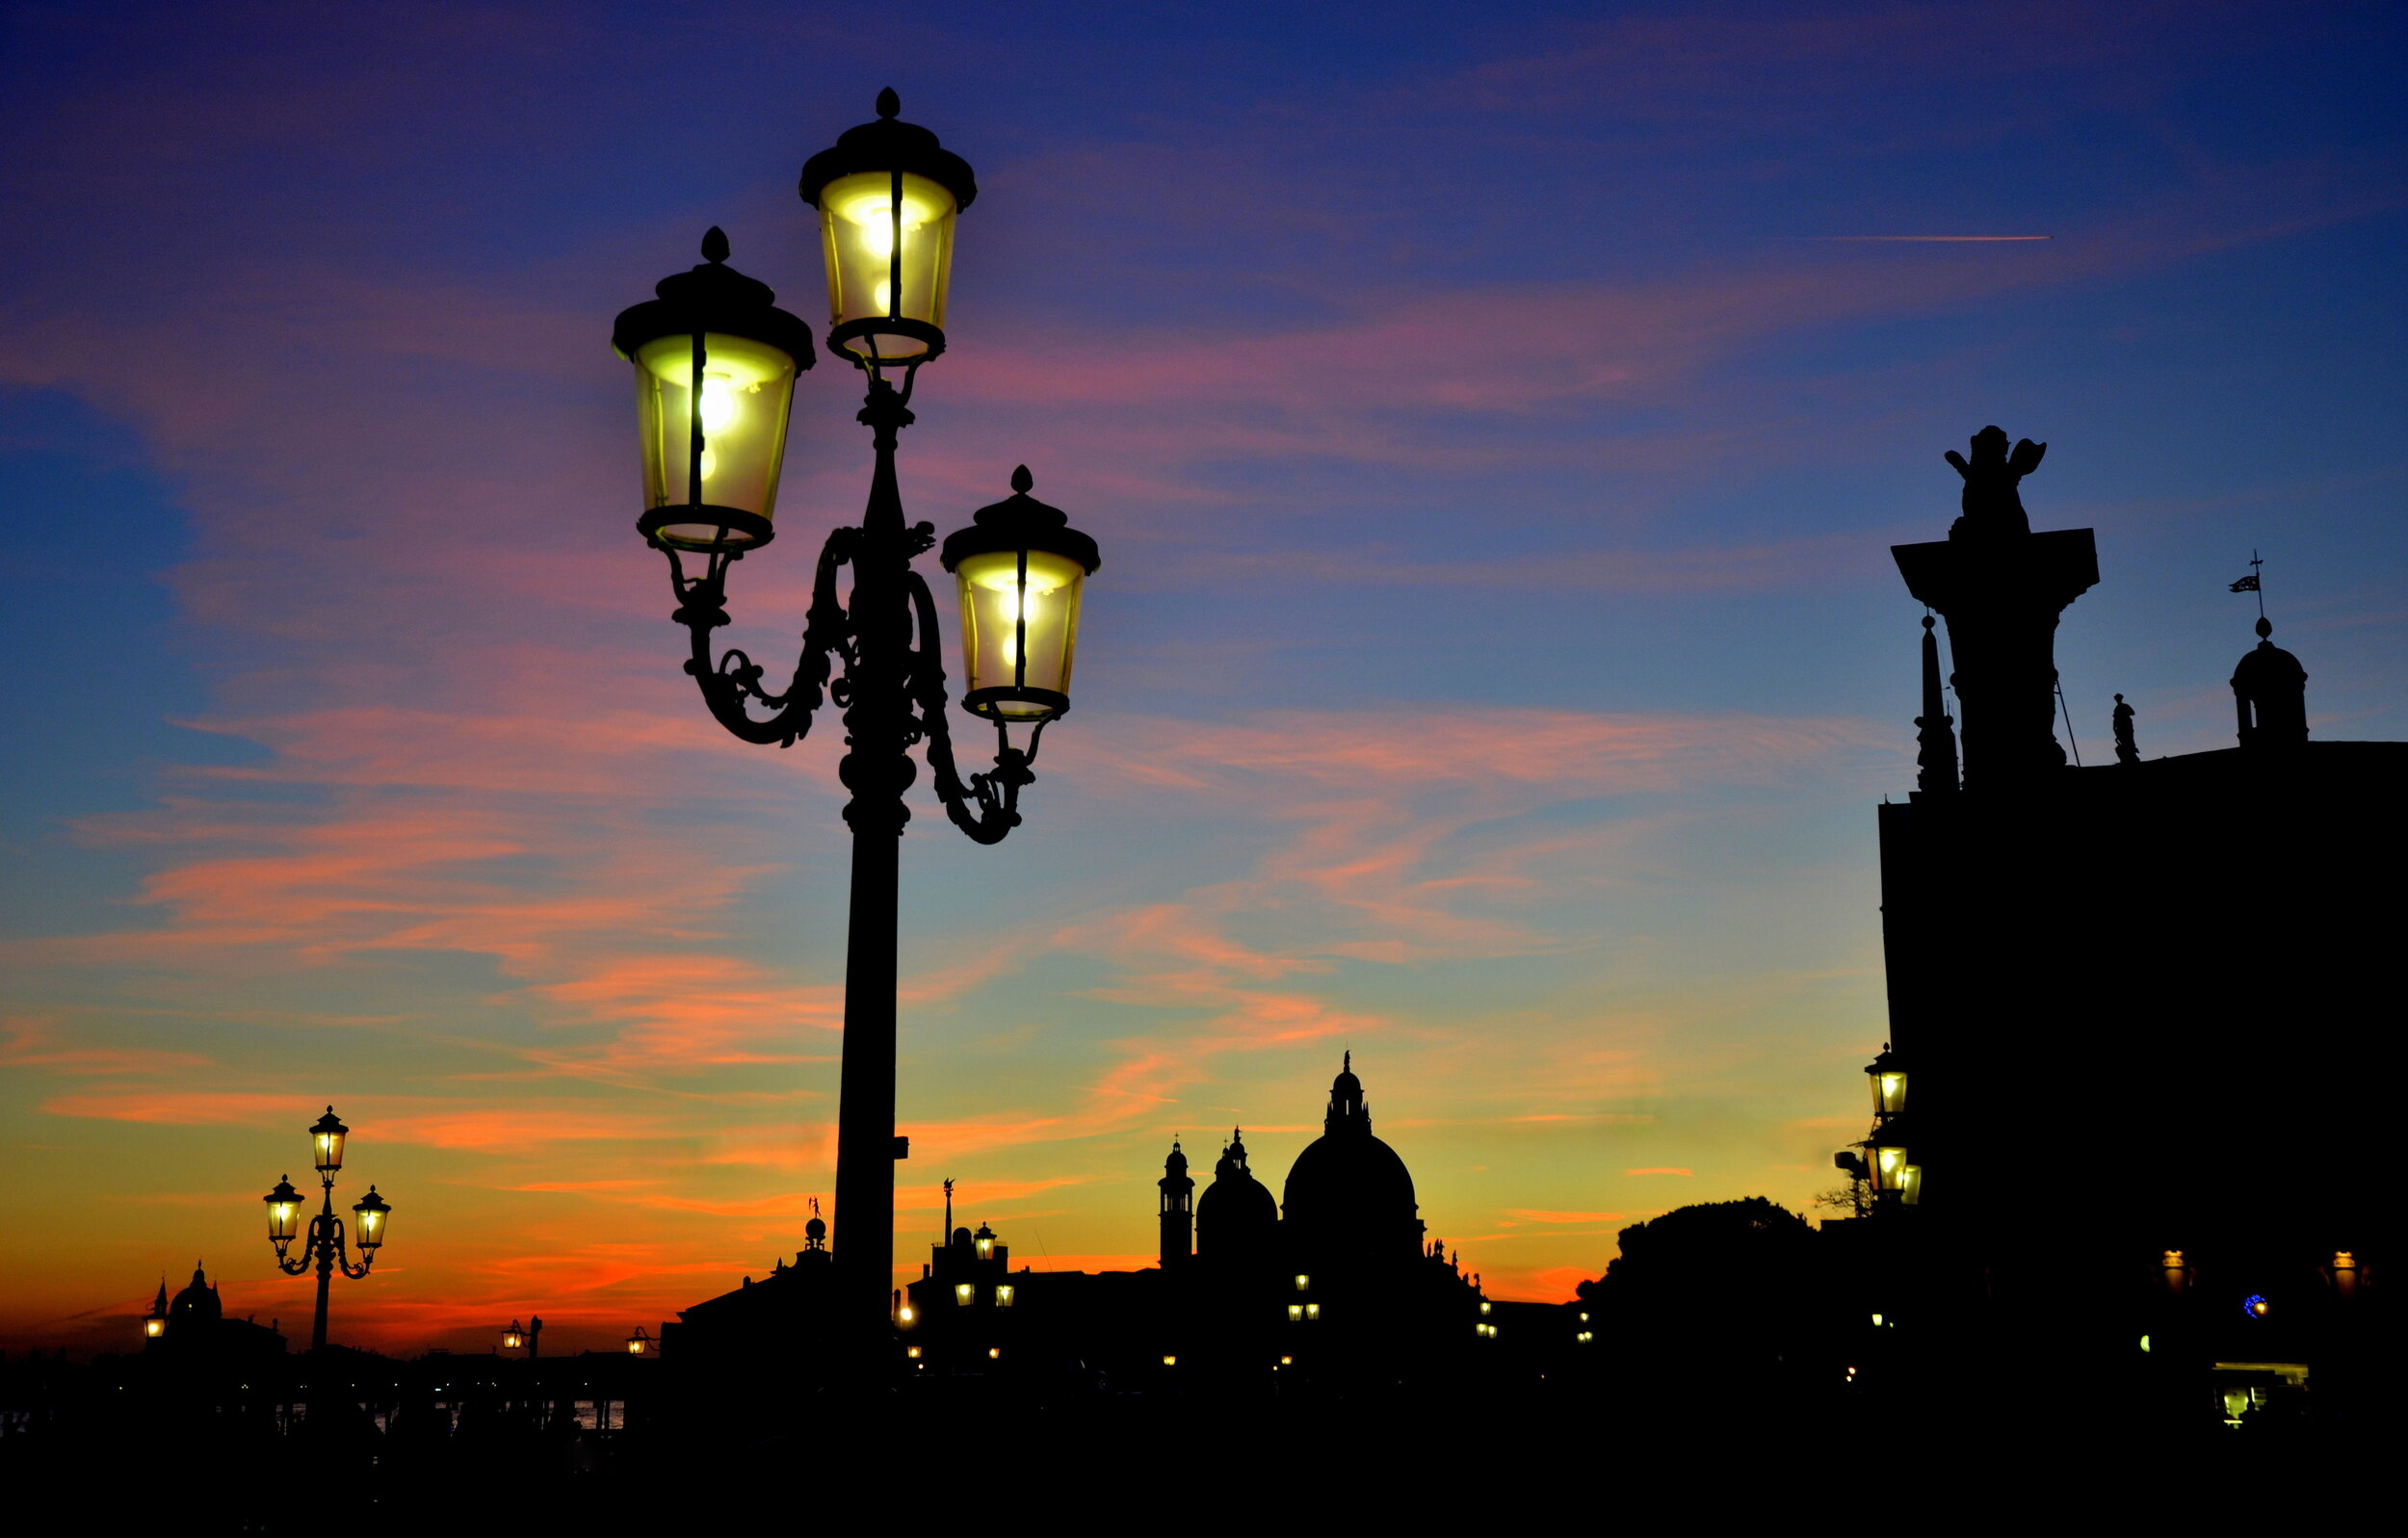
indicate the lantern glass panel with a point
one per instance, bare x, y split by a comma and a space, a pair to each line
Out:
327, 1143
283, 1214
154, 1327
368, 1227
1910, 1184
1020, 627
1889, 1092
880, 264
1003, 1295
747, 391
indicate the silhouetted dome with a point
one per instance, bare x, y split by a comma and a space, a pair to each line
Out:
1348, 1195
1236, 1217
1339, 1174
198, 1301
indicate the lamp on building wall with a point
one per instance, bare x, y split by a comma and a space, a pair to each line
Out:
640, 1344
1888, 1073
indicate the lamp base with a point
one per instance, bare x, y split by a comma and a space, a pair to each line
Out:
686, 527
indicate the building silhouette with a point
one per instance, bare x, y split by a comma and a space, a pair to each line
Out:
2136, 1000
1334, 1287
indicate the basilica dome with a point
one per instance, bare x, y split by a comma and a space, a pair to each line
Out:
1349, 1197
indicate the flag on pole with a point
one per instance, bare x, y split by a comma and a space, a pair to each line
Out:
2247, 584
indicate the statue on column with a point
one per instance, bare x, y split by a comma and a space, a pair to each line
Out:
1992, 504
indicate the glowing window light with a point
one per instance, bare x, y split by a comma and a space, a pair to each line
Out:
1876, 1321
1287, 1361
1303, 1283
912, 1352
1296, 1312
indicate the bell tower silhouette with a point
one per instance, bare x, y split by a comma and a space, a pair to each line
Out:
1178, 1210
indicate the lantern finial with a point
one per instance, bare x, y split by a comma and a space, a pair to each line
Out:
714, 244
888, 103
1022, 480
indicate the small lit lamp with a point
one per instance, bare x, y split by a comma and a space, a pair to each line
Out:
513, 1338
326, 1137
715, 363
1888, 1073
640, 1344
985, 1241
368, 1216
1021, 569
2175, 1267
2347, 1275
284, 1206
1910, 1184
888, 195
1005, 1294
1303, 1283
1886, 1167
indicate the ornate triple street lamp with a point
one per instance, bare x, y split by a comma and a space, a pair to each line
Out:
325, 1246
715, 361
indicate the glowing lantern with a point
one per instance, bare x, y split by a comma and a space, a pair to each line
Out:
1004, 1294
888, 195
1888, 1073
1021, 568
153, 1327
963, 1294
368, 1216
284, 1206
715, 381
1910, 1184
638, 1344
1887, 1167
326, 1137
513, 1338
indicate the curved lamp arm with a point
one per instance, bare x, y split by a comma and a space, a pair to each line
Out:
734, 678
996, 792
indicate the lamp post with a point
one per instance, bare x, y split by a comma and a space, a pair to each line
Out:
715, 361
528, 1340
324, 1245
641, 1344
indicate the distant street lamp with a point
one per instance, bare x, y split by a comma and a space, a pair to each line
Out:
641, 1344
155, 1322
715, 363
528, 1340
325, 1246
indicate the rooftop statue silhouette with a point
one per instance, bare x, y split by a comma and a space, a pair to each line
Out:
2127, 751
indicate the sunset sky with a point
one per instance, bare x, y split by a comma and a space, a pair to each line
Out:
1494, 420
